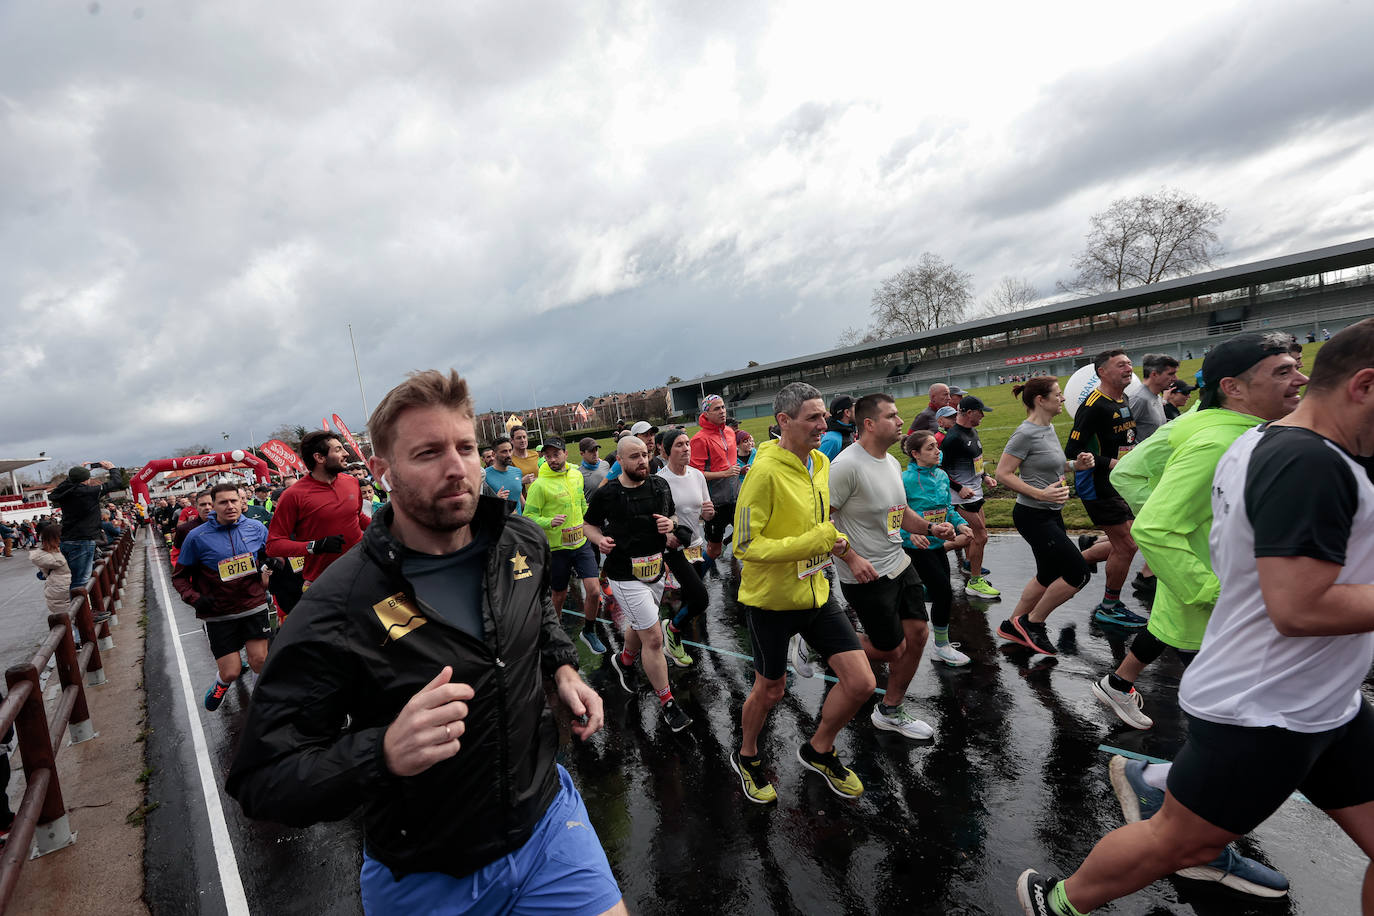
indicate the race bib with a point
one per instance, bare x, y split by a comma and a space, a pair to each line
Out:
808, 568
236, 567
571, 535
894, 519
934, 516
978, 465
693, 554
646, 569
297, 563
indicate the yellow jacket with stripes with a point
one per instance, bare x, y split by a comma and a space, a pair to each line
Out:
783, 532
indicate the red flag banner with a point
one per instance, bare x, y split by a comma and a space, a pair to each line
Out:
325, 424
1039, 357
339, 425
283, 456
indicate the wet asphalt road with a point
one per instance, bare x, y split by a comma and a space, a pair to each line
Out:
1015, 777
23, 612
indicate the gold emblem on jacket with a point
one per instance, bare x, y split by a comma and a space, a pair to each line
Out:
520, 566
397, 616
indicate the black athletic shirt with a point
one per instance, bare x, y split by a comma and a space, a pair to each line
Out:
627, 516
450, 585
961, 458
1300, 496
1105, 428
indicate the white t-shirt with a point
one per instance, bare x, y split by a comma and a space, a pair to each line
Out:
689, 492
1282, 492
867, 502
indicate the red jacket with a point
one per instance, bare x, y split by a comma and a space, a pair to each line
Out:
309, 510
713, 449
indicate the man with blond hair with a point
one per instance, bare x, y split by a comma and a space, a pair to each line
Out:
438, 622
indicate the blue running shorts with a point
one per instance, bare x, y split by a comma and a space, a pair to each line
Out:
561, 869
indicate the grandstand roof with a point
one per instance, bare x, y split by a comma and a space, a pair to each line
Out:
1320, 260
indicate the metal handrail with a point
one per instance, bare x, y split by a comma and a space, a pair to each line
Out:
41, 823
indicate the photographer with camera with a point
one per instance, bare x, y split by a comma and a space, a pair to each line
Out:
79, 499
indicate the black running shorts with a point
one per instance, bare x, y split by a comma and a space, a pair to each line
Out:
565, 562
227, 637
1235, 777
971, 507
825, 629
1056, 557
1110, 510
714, 529
884, 603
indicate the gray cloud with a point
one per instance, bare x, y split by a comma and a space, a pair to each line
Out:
559, 200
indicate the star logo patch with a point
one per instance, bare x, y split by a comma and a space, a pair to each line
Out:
520, 566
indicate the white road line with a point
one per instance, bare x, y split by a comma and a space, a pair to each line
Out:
235, 901
191, 633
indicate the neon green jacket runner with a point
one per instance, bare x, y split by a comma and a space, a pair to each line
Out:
1167, 481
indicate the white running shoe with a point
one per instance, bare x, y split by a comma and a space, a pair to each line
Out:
799, 653
950, 654
1129, 707
901, 722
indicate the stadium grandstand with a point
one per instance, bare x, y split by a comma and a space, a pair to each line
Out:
1305, 293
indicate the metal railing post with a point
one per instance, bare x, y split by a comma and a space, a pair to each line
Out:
85, 625
79, 726
54, 831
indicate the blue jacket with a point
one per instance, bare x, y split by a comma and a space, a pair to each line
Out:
215, 591
927, 490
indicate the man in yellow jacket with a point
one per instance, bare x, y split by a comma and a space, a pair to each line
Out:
784, 540
556, 502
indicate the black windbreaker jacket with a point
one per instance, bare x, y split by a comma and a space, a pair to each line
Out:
358, 645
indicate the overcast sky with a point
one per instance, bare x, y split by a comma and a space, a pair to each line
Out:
566, 198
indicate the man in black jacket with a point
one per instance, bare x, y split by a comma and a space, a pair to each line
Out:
431, 639
79, 499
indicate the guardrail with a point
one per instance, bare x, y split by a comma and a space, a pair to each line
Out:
41, 825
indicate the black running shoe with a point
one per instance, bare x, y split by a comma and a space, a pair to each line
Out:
675, 717
1033, 635
626, 675
1033, 891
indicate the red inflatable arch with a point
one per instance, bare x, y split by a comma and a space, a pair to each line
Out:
236, 458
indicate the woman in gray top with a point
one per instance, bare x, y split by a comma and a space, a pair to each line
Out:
1033, 465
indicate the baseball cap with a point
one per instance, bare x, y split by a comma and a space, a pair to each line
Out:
955, 391
553, 442
587, 444
642, 427
840, 404
1233, 358
945, 412
969, 402
1181, 386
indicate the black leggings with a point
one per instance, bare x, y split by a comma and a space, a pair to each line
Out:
1056, 557
1147, 648
690, 587
933, 568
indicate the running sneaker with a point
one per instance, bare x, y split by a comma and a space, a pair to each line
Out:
1033, 890
968, 570
626, 675
900, 721
1086, 541
672, 647
1116, 613
1128, 705
1138, 799
949, 654
757, 788
840, 778
593, 642
800, 653
677, 719
1233, 870
981, 587
215, 695
1033, 635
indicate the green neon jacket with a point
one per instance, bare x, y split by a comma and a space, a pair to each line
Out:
783, 532
558, 493
1168, 482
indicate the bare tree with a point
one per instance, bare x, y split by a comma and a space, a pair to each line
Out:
187, 451
930, 295
1011, 294
852, 337
1145, 239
